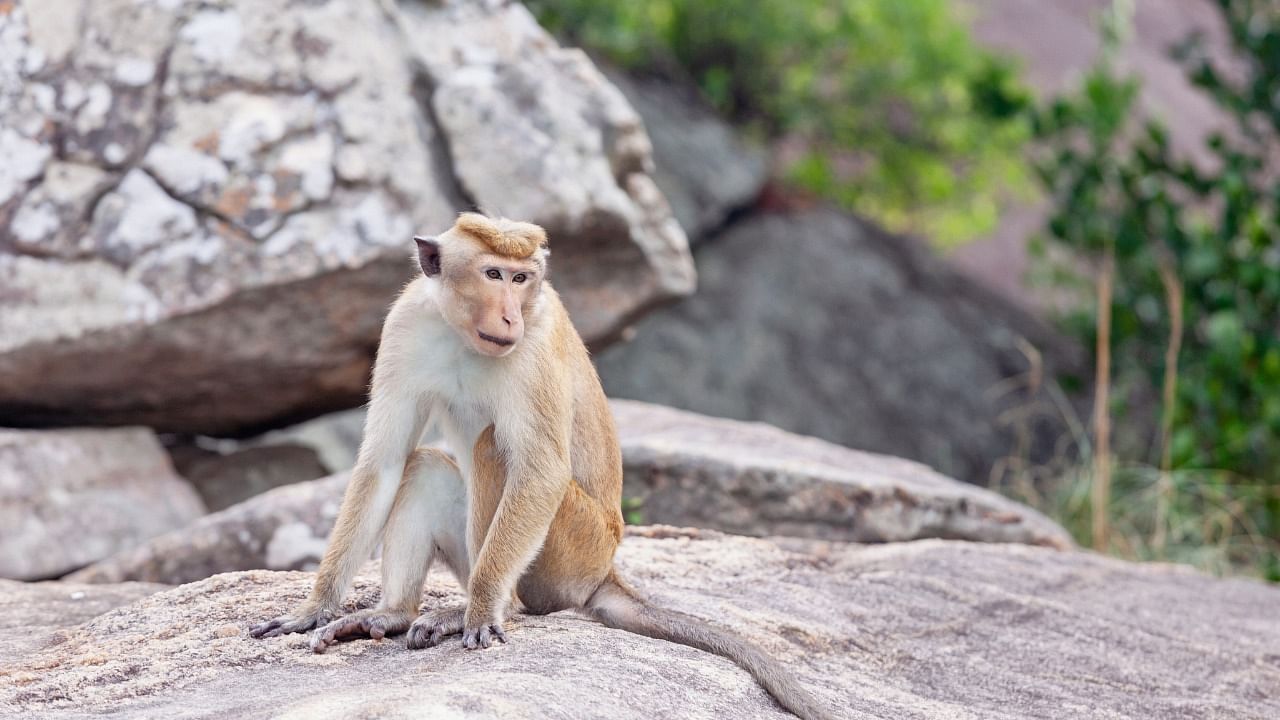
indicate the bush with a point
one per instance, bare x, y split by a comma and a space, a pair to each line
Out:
1195, 305
900, 116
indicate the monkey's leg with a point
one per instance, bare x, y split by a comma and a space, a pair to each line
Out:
392, 429
529, 502
423, 523
488, 476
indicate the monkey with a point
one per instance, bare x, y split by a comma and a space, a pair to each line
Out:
528, 516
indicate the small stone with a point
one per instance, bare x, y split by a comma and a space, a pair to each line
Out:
135, 72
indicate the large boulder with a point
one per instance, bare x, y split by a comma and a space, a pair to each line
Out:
210, 206
686, 469
820, 323
934, 629
283, 529
680, 469
703, 166
71, 497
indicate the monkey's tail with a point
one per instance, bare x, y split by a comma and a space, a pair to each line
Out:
616, 605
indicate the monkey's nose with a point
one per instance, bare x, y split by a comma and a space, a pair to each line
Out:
506, 320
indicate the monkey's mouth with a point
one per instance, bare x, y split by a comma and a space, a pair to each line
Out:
500, 342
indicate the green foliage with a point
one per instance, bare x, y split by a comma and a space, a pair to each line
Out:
1209, 520
900, 115
633, 510
1117, 185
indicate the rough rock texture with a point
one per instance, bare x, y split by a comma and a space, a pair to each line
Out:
70, 497
211, 204
933, 629
224, 479
32, 614
283, 529
703, 167
536, 132
680, 468
752, 479
819, 323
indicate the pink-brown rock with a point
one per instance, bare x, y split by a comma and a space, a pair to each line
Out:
931, 629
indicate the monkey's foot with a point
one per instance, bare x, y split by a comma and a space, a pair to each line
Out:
375, 623
432, 627
305, 619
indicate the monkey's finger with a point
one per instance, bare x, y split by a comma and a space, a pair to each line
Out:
499, 634
318, 643
485, 639
262, 628
436, 637
377, 631
270, 631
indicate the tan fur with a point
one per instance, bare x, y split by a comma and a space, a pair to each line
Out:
508, 238
545, 469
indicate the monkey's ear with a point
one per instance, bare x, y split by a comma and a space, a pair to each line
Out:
428, 255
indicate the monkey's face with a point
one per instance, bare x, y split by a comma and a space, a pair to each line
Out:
493, 294
484, 297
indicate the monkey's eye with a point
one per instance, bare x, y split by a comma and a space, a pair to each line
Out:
493, 274
519, 278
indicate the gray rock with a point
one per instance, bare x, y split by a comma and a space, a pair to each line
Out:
934, 629
821, 324
282, 529
211, 206
36, 615
752, 479
334, 438
224, 479
536, 132
71, 497
703, 167
680, 468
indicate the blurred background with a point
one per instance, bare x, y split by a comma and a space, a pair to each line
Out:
1031, 244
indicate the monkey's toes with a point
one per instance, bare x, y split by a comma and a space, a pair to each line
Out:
375, 624
286, 624
483, 636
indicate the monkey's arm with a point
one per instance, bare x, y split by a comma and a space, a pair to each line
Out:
538, 474
392, 430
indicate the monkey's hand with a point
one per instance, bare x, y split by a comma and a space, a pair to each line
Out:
432, 627
477, 633
303, 619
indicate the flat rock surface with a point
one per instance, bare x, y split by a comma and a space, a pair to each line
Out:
932, 629
820, 323
32, 615
680, 468
206, 208
71, 497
